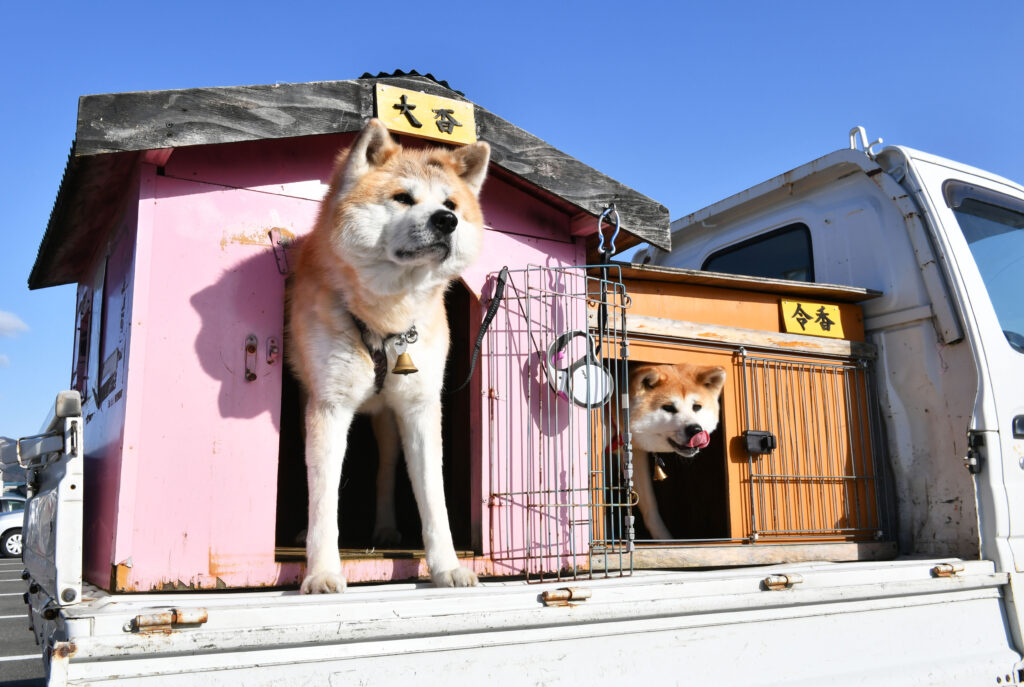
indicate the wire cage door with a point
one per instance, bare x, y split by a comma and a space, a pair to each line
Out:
814, 447
556, 353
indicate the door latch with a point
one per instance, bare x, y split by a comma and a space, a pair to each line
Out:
280, 243
759, 443
975, 458
567, 596
167, 620
251, 345
775, 583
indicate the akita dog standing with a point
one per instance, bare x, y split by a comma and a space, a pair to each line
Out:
395, 227
672, 409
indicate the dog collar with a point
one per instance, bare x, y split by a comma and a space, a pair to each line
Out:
377, 354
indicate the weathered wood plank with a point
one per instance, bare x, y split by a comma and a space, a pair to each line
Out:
298, 553
118, 122
644, 325
837, 293
655, 556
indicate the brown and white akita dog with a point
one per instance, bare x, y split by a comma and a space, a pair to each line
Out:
672, 409
395, 227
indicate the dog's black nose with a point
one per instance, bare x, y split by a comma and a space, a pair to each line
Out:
693, 430
444, 221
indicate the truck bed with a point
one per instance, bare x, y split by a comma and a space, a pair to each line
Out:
899, 622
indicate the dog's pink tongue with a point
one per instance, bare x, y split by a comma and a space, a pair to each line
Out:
700, 440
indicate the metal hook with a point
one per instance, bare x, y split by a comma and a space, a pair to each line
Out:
862, 132
600, 233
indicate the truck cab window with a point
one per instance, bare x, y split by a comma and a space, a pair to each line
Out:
780, 254
993, 224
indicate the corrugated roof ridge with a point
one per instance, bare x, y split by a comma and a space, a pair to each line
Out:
413, 72
57, 203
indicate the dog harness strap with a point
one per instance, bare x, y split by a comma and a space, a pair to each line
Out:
377, 355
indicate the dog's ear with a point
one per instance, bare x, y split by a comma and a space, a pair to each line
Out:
471, 164
373, 147
713, 378
649, 377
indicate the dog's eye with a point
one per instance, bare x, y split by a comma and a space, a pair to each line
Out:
450, 204
669, 408
404, 199
697, 406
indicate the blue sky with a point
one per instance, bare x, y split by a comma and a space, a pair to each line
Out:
686, 102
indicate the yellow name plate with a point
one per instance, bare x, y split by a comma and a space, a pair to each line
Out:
815, 319
427, 116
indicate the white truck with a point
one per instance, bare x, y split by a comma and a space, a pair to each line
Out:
938, 239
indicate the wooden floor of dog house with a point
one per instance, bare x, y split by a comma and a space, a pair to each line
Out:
298, 553
648, 555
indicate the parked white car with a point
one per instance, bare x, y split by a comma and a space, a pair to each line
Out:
12, 514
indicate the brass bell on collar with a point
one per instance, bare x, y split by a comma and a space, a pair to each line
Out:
659, 474
403, 365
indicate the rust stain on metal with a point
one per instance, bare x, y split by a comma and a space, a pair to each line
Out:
565, 596
164, 621
64, 650
775, 583
190, 616
153, 620
947, 569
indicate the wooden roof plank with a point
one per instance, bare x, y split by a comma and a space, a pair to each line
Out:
117, 124
838, 293
146, 120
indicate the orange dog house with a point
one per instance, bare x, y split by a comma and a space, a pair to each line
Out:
795, 469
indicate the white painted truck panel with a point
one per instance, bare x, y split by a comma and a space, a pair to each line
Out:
1000, 389
858, 623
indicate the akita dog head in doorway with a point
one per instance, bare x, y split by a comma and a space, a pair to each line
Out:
672, 409
398, 222
396, 225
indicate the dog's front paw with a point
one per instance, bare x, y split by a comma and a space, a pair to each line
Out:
456, 577
386, 537
324, 583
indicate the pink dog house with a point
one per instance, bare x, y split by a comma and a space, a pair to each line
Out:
173, 217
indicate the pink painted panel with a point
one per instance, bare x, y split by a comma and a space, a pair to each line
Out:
198, 476
298, 167
301, 167
513, 211
205, 439
516, 251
